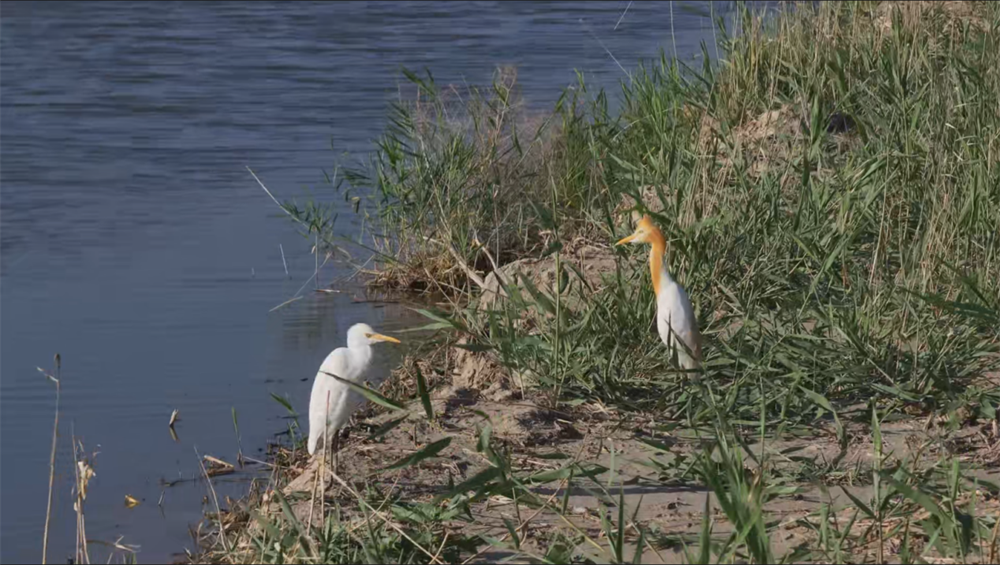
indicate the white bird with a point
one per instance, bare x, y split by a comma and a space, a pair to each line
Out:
332, 402
674, 314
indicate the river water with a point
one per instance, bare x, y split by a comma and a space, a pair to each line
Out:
136, 245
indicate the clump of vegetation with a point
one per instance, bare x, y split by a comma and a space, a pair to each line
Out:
457, 175
830, 193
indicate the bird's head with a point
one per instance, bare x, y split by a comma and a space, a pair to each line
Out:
645, 232
362, 334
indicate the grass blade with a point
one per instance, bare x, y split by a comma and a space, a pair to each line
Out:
425, 396
620, 546
513, 533
290, 516
285, 403
369, 394
857, 502
637, 557
426, 452
705, 537
386, 428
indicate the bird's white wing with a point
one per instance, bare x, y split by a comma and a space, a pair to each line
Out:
675, 313
326, 403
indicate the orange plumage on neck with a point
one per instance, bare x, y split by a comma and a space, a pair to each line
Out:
658, 247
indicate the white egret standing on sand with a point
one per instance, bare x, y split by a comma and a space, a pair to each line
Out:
675, 319
332, 402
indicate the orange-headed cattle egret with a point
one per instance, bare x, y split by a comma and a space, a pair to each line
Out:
675, 319
332, 402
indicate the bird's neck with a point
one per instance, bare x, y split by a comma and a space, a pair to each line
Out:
657, 269
361, 355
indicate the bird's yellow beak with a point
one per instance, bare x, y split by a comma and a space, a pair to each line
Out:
627, 239
380, 337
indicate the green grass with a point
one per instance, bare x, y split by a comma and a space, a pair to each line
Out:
840, 278
863, 267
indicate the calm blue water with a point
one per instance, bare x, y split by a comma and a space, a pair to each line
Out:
136, 245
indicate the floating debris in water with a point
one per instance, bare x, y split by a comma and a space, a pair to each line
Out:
217, 466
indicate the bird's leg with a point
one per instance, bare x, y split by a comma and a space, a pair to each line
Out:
336, 452
331, 449
326, 446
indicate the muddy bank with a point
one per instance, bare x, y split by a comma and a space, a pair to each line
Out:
623, 455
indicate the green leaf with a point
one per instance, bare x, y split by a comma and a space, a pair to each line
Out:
544, 216
705, 538
410, 515
895, 391
369, 393
495, 542
922, 499
425, 396
483, 445
877, 435
513, 533
620, 546
579, 276
474, 347
986, 409
426, 452
569, 489
847, 529
562, 279
559, 551
284, 402
438, 318
429, 327
475, 482
267, 525
560, 474
818, 399
543, 301
290, 516
637, 558
657, 445
553, 247
606, 526
861, 505
387, 427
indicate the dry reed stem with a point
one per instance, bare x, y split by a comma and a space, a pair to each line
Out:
381, 505
441, 547
52, 461
993, 542
82, 479
215, 499
273, 198
298, 293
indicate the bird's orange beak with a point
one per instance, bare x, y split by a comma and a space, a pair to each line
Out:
626, 239
380, 337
